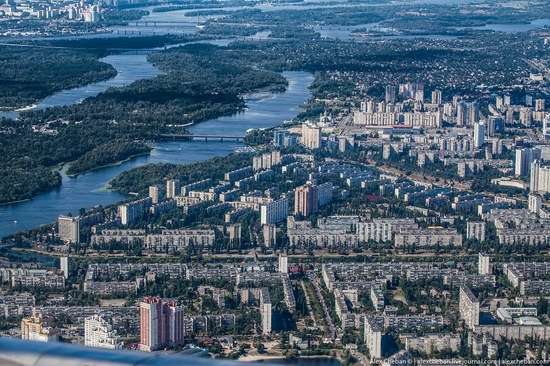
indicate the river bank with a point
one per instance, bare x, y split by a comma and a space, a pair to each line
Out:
113, 164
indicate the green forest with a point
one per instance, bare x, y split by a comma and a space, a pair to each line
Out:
26, 180
111, 152
28, 75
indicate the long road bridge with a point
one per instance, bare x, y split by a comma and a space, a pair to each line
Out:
156, 23
174, 136
153, 23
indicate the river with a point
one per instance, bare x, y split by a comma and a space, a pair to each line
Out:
129, 69
89, 189
512, 28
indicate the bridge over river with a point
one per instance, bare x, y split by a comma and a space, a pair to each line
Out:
173, 136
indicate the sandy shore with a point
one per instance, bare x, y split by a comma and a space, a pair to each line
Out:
27, 108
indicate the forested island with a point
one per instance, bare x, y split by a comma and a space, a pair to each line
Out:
109, 153
26, 179
28, 75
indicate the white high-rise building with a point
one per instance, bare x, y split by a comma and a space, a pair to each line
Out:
381, 107
132, 211
68, 228
484, 264
526, 116
92, 15
479, 134
524, 159
64, 266
535, 203
539, 105
491, 126
283, 263
265, 310
540, 178
373, 337
509, 116
499, 102
172, 188
473, 113
419, 96
270, 235
274, 212
476, 230
371, 106
468, 307
546, 126
528, 100
72, 13
437, 97
155, 193
311, 135
99, 333
507, 100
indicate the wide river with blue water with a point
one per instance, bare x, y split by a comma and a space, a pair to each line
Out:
263, 110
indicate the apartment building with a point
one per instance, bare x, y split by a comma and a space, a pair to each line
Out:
99, 333
428, 237
382, 230
468, 307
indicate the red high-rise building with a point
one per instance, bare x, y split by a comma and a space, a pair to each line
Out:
306, 200
161, 324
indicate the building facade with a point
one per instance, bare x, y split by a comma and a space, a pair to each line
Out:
99, 333
161, 324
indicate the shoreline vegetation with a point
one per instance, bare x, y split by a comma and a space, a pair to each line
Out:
105, 155
109, 165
